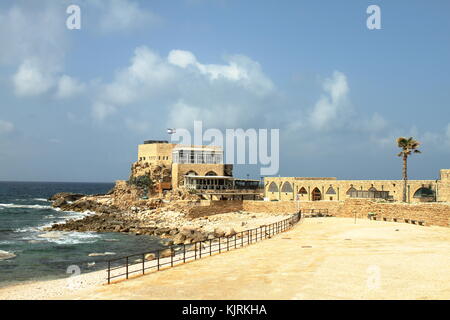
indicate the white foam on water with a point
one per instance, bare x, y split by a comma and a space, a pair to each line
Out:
4, 255
24, 206
41, 199
76, 238
27, 229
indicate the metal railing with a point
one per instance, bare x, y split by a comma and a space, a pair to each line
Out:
140, 263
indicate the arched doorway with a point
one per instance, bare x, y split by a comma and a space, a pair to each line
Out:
287, 187
273, 187
425, 194
316, 194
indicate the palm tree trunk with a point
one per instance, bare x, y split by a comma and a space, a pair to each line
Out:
405, 175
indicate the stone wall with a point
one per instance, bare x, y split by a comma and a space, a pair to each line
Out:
437, 214
214, 207
331, 189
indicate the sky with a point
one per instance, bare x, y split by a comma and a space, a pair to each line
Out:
74, 104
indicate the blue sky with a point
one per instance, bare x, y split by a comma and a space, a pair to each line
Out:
74, 104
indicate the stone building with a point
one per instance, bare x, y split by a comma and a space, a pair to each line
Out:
331, 189
170, 163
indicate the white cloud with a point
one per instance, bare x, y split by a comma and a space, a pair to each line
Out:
240, 69
183, 115
6, 127
35, 30
146, 74
332, 105
68, 87
101, 110
189, 89
31, 79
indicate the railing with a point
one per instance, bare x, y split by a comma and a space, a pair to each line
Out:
139, 263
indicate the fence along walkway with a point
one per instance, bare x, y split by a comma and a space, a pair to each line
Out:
139, 264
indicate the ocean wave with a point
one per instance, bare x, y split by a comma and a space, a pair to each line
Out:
24, 206
62, 237
41, 199
27, 229
4, 255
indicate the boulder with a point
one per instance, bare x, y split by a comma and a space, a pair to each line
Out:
219, 232
179, 239
229, 232
67, 196
166, 253
187, 231
150, 256
198, 236
59, 202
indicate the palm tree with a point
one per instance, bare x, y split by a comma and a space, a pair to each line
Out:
408, 146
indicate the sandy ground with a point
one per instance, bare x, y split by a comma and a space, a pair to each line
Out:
320, 258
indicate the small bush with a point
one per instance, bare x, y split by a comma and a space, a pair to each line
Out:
142, 182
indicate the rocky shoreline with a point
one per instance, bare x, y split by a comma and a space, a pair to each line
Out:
153, 217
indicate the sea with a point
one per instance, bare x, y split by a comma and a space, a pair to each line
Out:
40, 255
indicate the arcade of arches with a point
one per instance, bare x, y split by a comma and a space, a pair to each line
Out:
331, 189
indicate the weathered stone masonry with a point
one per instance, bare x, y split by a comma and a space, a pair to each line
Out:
331, 189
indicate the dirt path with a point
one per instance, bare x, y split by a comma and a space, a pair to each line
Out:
321, 258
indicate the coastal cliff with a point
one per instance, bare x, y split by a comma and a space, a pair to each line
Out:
170, 216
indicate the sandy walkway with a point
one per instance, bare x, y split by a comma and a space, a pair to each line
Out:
321, 258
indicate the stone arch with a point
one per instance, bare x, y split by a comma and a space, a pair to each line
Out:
211, 173
350, 190
191, 173
331, 190
273, 187
424, 193
302, 191
316, 195
287, 187
373, 189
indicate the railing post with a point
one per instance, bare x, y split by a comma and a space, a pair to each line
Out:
248, 236
210, 246
235, 240
172, 252
157, 262
143, 263
195, 250
126, 261
219, 245
200, 253
242, 239
228, 243
184, 253
109, 272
